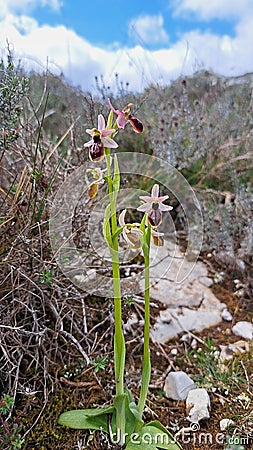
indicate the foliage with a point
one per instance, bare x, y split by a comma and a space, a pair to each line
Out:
100, 363
9, 429
13, 89
212, 372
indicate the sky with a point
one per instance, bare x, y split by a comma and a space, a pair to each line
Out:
143, 41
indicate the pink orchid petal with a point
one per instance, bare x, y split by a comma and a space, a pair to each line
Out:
163, 207
145, 207
107, 132
109, 142
146, 199
121, 121
112, 108
161, 199
155, 191
101, 122
89, 131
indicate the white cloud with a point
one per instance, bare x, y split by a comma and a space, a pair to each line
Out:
149, 29
66, 52
213, 9
22, 24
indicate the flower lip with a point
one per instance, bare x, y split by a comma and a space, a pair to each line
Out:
97, 151
125, 116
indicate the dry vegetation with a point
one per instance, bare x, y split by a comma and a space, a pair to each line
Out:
56, 340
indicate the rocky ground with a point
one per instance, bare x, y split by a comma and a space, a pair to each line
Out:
195, 331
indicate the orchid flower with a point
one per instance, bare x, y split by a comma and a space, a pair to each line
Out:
131, 232
100, 139
97, 174
125, 116
154, 206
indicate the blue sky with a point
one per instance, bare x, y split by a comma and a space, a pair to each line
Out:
107, 22
143, 41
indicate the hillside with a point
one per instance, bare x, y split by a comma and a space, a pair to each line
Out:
201, 125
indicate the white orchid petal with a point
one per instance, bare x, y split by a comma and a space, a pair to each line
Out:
88, 144
156, 233
122, 218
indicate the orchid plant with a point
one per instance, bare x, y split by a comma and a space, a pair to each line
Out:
123, 419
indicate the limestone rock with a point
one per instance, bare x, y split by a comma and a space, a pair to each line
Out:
228, 351
191, 304
198, 405
243, 329
177, 385
226, 315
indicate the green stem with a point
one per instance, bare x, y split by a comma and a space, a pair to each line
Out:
119, 340
146, 367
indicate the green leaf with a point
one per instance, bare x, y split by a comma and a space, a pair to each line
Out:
143, 223
84, 419
109, 121
124, 404
116, 175
106, 226
117, 232
153, 436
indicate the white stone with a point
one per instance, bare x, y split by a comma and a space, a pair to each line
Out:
183, 287
177, 385
226, 315
198, 405
225, 423
174, 351
243, 329
228, 351
184, 319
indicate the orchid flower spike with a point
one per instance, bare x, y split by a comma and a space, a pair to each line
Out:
131, 232
154, 206
125, 116
100, 139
